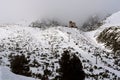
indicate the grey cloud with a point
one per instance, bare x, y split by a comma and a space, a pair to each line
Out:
65, 10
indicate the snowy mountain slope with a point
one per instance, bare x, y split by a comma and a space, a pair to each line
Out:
112, 21
46, 47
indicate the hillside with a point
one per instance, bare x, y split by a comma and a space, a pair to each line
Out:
44, 48
111, 21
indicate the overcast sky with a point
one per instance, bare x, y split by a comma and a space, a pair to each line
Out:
65, 10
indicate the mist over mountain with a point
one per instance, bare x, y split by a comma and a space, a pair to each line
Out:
59, 40
14, 11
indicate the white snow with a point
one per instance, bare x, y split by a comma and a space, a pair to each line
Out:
55, 38
6, 74
113, 20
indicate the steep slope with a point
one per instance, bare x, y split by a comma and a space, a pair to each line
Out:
44, 48
112, 24
112, 21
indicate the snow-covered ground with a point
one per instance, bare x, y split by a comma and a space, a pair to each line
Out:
8, 75
44, 45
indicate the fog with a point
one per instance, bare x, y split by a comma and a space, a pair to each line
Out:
13, 11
